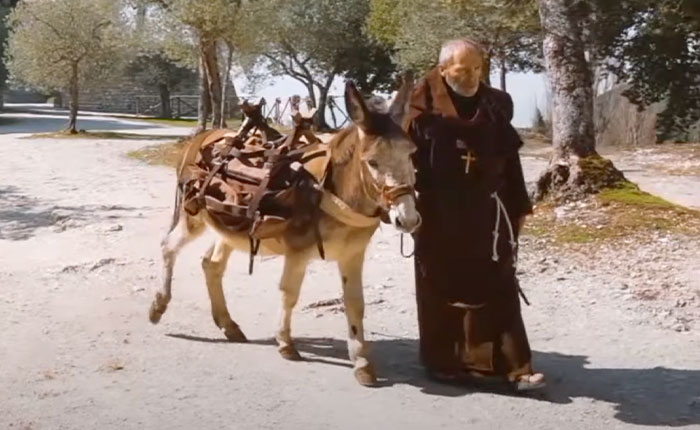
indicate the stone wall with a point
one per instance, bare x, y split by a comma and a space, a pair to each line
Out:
123, 95
619, 122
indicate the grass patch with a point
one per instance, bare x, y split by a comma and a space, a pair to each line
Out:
575, 234
113, 135
167, 154
613, 214
179, 122
630, 194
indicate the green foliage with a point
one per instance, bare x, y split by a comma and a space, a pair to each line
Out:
152, 70
211, 18
384, 20
317, 40
509, 33
176, 27
47, 38
655, 47
5, 8
4, 11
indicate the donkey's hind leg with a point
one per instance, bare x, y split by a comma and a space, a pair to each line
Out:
184, 231
214, 266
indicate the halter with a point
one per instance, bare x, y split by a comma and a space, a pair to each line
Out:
384, 195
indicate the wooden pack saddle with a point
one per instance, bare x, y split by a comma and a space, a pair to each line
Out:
259, 187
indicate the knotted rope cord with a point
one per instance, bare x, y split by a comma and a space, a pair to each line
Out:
500, 207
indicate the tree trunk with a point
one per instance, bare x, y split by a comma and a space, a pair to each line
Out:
486, 69
73, 113
504, 71
211, 67
224, 85
204, 108
320, 118
312, 93
2, 98
165, 108
575, 168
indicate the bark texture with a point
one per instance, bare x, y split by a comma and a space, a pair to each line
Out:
73, 90
211, 67
204, 99
575, 168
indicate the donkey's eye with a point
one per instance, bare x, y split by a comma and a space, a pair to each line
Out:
372, 163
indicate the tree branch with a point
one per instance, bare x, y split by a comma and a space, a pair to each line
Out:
48, 24
288, 69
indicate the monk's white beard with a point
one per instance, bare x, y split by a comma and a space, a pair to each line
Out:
457, 89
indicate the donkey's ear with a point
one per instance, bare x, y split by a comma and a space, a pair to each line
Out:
356, 107
400, 106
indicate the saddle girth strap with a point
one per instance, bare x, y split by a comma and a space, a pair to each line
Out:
254, 247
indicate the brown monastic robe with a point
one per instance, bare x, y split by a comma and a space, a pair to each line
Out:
466, 287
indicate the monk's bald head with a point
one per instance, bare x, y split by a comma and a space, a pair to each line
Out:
460, 64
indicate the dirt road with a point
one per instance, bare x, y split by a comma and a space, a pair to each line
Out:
80, 225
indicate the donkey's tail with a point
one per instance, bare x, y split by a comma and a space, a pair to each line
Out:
179, 196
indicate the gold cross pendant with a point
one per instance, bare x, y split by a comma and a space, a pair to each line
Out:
467, 161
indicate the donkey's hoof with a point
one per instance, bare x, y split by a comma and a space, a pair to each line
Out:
155, 312
158, 307
234, 334
289, 352
365, 375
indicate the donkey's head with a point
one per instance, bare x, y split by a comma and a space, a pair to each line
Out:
384, 150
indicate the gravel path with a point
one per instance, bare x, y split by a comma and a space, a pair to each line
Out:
80, 225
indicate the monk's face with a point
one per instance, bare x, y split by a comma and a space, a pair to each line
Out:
463, 73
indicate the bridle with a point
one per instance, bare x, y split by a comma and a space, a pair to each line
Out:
384, 195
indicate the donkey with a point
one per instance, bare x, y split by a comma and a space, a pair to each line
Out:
370, 173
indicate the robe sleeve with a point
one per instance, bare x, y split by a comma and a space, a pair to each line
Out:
517, 198
421, 158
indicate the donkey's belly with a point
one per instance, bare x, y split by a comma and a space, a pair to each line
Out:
338, 242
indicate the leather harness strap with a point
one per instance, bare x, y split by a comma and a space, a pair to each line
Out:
231, 143
338, 209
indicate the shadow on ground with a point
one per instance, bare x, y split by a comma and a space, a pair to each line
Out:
654, 397
22, 215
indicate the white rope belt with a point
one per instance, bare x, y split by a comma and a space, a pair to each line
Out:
500, 207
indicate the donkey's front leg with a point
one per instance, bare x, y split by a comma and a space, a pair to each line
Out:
290, 286
214, 266
351, 274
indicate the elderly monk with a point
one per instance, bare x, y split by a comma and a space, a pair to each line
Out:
473, 201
